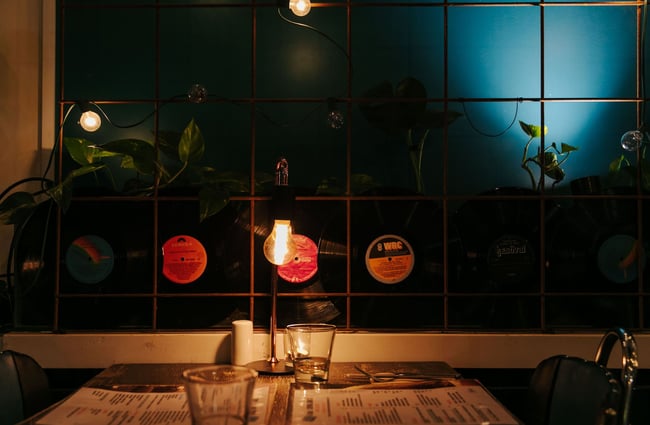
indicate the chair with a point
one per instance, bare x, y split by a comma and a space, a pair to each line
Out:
629, 367
24, 387
567, 390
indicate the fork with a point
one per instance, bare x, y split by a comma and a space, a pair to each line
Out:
391, 376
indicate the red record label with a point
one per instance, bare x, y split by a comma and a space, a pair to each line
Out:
184, 259
304, 264
390, 259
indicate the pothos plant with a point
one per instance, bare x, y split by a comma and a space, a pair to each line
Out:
175, 159
549, 160
403, 112
622, 172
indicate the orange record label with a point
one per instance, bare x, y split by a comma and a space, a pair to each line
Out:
304, 264
184, 259
390, 259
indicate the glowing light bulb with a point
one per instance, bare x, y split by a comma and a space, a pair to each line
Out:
300, 7
631, 140
279, 247
90, 121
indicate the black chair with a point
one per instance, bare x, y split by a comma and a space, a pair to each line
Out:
24, 387
630, 365
567, 390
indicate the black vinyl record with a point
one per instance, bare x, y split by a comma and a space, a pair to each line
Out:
106, 248
593, 246
396, 244
497, 242
34, 267
197, 256
302, 277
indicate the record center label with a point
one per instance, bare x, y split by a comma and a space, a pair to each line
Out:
90, 259
390, 259
510, 259
184, 259
304, 264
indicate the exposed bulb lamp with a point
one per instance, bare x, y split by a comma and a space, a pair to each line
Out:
89, 120
279, 248
300, 7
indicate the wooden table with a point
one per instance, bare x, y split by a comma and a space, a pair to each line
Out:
138, 377
165, 374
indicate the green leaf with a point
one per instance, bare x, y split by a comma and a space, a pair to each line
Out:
616, 165
168, 143
191, 145
413, 95
362, 182
15, 207
228, 181
211, 200
532, 130
564, 148
62, 193
142, 153
329, 186
83, 151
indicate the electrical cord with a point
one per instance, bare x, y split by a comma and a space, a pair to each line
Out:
498, 134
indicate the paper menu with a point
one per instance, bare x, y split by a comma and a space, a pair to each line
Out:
95, 406
461, 404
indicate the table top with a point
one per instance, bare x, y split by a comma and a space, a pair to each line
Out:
154, 377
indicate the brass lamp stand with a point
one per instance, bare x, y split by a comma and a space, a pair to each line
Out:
282, 210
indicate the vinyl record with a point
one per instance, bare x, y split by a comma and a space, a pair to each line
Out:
593, 246
304, 270
302, 277
304, 265
395, 244
34, 267
90, 259
496, 242
106, 248
184, 259
197, 256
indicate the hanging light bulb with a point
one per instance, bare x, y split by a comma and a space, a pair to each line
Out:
300, 7
632, 140
279, 247
197, 94
335, 119
89, 120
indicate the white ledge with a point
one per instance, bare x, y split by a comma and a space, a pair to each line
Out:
100, 350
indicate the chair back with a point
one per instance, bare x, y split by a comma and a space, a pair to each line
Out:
629, 368
24, 387
568, 390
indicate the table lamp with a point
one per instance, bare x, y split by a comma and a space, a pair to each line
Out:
279, 249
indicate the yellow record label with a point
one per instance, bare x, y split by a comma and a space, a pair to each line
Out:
390, 259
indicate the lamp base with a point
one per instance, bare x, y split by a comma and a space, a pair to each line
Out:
271, 368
